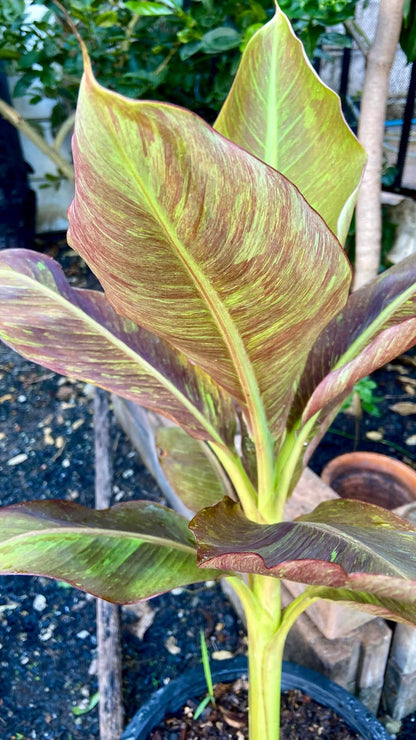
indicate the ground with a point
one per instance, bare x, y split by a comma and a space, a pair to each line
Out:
47, 630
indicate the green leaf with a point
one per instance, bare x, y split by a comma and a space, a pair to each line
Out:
77, 333
408, 32
220, 39
27, 60
141, 7
94, 699
106, 19
279, 110
357, 551
190, 468
9, 53
24, 82
130, 552
251, 274
377, 324
13, 10
188, 50
389, 605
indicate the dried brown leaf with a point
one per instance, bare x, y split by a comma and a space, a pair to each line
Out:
144, 618
404, 408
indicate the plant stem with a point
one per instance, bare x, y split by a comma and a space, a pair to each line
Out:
289, 464
267, 628
264, 661
63, 132
235, 470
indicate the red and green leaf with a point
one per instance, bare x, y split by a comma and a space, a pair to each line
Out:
342, 544
396, 601
131, 552
191, 469
251, 274
77, 333
377, 323
279, 110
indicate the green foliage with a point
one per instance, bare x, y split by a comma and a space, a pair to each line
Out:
93, 701
365, 391
408, 33
311, 19
208, 677
140, 49
184, 52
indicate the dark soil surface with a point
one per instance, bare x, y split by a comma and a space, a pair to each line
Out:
301, 718
48, 679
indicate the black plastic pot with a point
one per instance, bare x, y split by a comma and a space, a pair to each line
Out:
172, 697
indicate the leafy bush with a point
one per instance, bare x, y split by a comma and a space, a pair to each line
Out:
185, 51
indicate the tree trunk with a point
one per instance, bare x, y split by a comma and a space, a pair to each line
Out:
371, 134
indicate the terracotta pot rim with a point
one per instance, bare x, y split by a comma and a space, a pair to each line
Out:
371, 461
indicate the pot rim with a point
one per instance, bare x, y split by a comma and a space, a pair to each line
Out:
371, 461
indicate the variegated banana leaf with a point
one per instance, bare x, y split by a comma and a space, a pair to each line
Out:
77, 333
119, 554
201, 243
377, 323
279, 110
366, 553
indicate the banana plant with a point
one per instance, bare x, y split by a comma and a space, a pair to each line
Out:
226, 308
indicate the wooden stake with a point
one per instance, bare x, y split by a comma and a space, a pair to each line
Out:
108, 616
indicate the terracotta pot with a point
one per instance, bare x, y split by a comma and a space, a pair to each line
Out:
368, 476
192, 683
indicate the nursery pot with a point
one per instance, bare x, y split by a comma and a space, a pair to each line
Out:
191, 684
368, 476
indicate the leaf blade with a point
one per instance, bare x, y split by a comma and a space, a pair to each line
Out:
156, 180
77, 333
130, 552
279, 110
342, 544
377, 323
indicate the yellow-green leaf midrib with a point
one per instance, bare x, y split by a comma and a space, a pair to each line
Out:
227, 329
59, 532
272, 128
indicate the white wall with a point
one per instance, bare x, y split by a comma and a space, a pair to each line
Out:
52, 204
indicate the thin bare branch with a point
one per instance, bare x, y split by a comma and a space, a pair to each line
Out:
11, 115
63, 131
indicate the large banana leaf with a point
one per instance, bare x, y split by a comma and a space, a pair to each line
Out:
377, 323
77, 333
251, 274
347, 545
281, 111
133, 551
